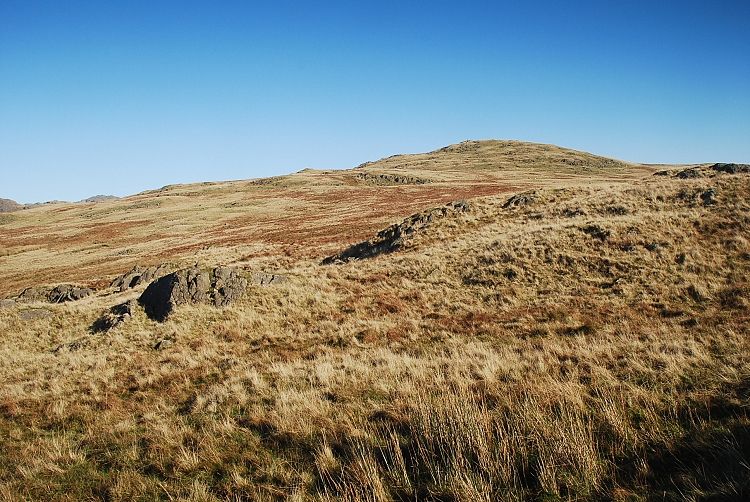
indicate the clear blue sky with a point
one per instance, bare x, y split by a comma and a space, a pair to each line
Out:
117, 97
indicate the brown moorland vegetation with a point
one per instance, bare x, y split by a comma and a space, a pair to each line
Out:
579, 333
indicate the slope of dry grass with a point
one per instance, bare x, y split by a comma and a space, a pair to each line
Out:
591, 344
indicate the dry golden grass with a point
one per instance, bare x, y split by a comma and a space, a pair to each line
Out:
590, 345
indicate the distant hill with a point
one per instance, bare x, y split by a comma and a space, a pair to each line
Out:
8, 206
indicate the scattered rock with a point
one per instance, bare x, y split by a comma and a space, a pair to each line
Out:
572, 213
596, 232
680, 259
520, 199
71, 346
100, 198
617, 210
394, 237
220, 287
731, 168
68, 293
263, 279
705, 171
138, 276
709, 197
390, 179
671, 313
690, 322
114, 317
34, 314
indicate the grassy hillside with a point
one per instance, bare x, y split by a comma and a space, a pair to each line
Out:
579, 332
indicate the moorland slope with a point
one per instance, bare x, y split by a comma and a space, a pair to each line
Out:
494, 320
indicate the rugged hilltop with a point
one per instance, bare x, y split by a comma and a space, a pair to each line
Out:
491, 320
8, 206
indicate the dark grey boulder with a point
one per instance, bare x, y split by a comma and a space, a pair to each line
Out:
219, 287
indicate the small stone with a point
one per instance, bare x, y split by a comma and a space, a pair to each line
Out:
709, 197
163, 344
114, 317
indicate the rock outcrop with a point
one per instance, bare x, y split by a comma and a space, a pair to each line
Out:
394, 237
705, 171
68, 293
59, 294
139, 275
731, 168
8, 206
219, 287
